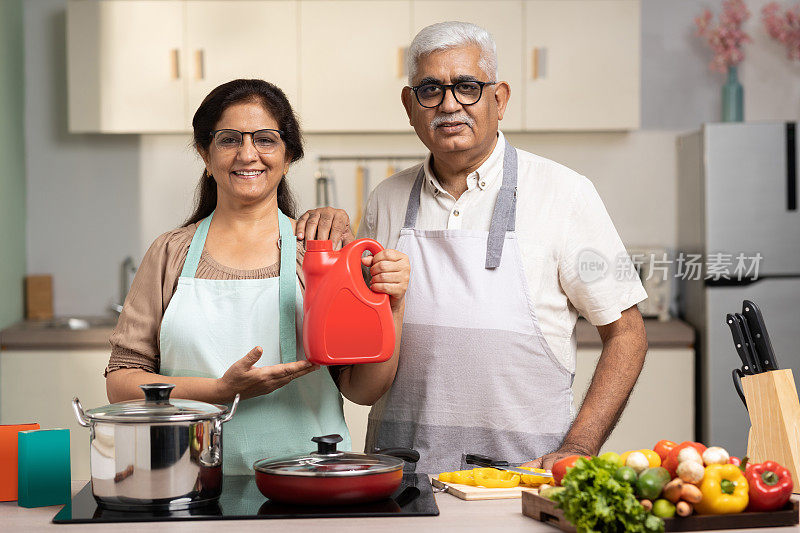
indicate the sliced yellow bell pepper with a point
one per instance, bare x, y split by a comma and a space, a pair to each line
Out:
495, 479
725, 490
534, 481
462, 477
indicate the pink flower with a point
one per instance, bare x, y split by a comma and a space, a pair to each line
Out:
783, 27
727, 38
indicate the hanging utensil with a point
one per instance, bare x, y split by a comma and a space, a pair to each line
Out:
362, 192
325, 188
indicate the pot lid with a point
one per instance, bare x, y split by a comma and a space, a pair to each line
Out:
156, 407
327, 461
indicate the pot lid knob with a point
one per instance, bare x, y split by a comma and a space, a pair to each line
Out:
326, 445
157, 392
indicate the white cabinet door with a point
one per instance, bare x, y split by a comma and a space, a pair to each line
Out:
125, 66
503, 19
582, 61
661, 405
38, 386
244, 39
351, 64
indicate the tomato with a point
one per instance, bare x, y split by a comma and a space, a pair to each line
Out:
663, 447
732, 460
671, 462
561, 467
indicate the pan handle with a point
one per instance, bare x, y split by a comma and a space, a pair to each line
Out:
79, 414
227, 416
406, 454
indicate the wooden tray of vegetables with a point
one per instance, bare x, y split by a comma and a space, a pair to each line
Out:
696, 488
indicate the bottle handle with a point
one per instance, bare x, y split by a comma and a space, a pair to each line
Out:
355, 250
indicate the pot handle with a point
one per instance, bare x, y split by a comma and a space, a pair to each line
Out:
79, 414
406, 454
227, 416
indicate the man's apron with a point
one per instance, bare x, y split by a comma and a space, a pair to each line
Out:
210, 324
475, 373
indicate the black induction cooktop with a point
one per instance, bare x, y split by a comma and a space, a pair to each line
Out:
241, 499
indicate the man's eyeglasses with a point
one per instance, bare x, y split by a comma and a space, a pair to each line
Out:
266, 141
465, 92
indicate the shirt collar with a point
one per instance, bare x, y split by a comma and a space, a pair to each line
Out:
484, 177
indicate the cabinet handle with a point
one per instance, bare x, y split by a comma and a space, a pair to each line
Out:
539, 63
200, 64
176, 64
401, 61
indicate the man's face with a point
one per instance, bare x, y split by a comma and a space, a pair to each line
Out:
451, 126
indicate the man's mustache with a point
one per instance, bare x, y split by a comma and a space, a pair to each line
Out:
452, 117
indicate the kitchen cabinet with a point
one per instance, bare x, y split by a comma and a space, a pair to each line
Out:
243, 39
145, 66
38, 386
661, 405
503, 19
126, 66
582, 59
352, 65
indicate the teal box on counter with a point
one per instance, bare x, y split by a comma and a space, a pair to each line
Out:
44, 467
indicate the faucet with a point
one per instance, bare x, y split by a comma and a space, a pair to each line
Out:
127, 269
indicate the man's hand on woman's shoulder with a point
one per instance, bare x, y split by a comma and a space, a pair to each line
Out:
325, 223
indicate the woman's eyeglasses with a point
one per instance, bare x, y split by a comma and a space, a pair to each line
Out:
266, 141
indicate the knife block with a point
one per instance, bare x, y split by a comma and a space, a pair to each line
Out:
774, 420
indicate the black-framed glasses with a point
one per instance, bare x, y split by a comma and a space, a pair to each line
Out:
266, 141
465, 92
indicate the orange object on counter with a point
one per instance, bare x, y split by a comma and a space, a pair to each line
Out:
8, 459
344, 321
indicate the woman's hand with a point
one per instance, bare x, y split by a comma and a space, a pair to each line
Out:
325, 223
390, 271
248, 381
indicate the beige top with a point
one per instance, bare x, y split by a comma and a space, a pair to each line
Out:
135, 340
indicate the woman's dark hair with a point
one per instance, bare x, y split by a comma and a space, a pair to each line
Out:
206, 118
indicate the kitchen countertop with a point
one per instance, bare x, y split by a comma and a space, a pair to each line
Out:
455, 515
37, 335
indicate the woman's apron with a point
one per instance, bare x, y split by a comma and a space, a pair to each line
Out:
210, 324
475, 373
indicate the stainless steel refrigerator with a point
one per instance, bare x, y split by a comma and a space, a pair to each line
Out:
737, 196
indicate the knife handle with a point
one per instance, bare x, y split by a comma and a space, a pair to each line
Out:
752, 353
738, 342
761, 338
483, 460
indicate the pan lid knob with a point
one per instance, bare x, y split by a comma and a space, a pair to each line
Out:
326, 445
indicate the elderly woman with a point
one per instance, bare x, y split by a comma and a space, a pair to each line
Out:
216, 305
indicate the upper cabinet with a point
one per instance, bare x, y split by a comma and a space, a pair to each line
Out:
582, 64
351, 64
144, 66
244, 39
125, 66
503, 19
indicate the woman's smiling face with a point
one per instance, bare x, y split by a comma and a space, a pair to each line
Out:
244, 175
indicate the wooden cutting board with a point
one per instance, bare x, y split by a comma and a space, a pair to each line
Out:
466, 492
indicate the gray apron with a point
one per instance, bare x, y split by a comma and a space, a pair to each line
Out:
475, 373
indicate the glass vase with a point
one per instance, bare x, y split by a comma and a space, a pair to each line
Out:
732, 97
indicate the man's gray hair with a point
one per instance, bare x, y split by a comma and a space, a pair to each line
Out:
444, 35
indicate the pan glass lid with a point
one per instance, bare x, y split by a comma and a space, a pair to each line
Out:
330, 465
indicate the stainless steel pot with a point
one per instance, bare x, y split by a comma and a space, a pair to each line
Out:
156, 453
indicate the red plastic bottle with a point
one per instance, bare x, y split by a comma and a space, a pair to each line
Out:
344, 321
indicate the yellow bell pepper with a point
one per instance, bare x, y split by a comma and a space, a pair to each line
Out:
495, 479
462, 477
725, 490
534, 481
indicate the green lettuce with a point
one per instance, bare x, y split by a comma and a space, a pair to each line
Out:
593, 500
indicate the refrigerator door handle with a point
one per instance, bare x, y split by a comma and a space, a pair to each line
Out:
791, 166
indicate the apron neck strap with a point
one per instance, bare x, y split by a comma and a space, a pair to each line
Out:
196, 248
503, 215
287, 290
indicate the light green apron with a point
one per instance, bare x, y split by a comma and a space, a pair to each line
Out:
210, 324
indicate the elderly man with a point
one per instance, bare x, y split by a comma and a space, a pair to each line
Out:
496, 238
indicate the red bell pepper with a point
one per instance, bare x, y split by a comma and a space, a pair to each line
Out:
770, 486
